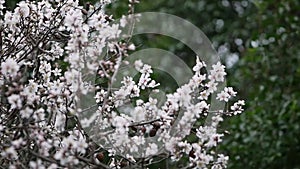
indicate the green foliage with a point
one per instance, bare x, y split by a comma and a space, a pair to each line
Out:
267, 135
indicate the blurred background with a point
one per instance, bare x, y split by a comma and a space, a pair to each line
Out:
259, 42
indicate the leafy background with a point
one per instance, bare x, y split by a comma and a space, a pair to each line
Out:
262, 38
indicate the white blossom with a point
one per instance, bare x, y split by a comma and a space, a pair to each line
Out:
26, 113
223, 96
23, 9
15, 101
9, 68
151, 149
58, 46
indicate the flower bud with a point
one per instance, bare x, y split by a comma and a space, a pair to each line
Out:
123, 164
156, 125
152, 132
131, 47
100, 157
143, 129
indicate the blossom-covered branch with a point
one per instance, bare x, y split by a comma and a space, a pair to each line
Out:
49, 49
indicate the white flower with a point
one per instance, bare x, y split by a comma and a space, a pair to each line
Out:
128, 81
230, 91
59, 154
15, 101
138, 64
26, 113
97, 20
153, 84
226, 94
73, 18
123, 21
139, 102
139, 140
45, 67
120, 122
56, 72
10, 68
31, 88
222, 159
218, 67
144, 80
23, 9
237, 107
120, 94
100, 96
203, 95
199, 65
36, 164
241, 102
223, 96
135, 91
39, 114
184, 95
131, 47
151, 104
81, 146
198, 79
217, 73
72, 76
146, 69
151, 149
110, 32
185, 146
212, 86
138, 114
214, 139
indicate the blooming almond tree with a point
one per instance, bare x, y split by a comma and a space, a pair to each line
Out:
47, 50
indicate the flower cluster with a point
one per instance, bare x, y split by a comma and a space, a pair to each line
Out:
48, 50
143, 128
